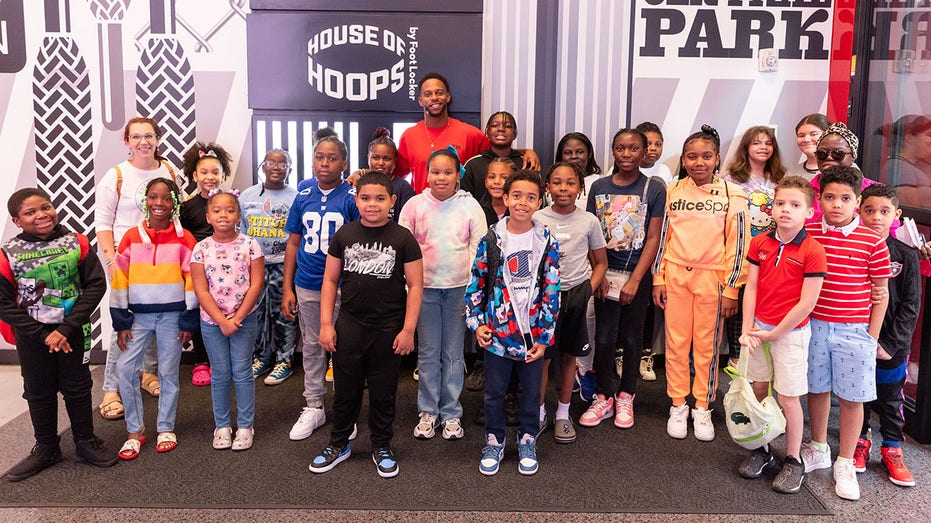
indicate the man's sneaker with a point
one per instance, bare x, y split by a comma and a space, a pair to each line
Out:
511, 410
385, 463
40, 458
791, 477
754, 465
259, 368
624, 411
527, 455
586, 385
600, 409
563, 431
814, 459
646, 369
701, 423
281, 372
895, 466
330, 457
845, 480
475, 381
310, 419
92, 452
678, 424
328, 377
426, 427
861, 456
452, 429
491, 456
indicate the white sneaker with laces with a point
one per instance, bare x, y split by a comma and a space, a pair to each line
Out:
624, 411
426, 428
678, 424
845, 480
701, 420
815, 459
452, 429
310, 419
646, 369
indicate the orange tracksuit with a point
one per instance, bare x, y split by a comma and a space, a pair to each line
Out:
701, 258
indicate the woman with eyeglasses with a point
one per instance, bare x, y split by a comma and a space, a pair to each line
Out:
265, 209
118, 207
807, 133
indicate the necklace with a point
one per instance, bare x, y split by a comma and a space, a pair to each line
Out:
426, 133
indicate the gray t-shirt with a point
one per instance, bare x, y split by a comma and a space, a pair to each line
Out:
264, 215
576, 233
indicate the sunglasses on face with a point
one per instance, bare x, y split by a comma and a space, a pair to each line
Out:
835, 154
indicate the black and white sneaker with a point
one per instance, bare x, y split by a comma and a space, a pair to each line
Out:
385, 463
754, 465
791, 477
328, 458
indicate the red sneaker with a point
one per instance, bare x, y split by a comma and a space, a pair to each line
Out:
895, 466
861, 456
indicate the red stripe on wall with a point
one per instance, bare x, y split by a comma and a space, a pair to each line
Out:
841, 60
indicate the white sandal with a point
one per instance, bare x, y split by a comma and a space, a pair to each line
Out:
222, 438
243, 439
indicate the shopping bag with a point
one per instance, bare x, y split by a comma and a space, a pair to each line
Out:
751, 423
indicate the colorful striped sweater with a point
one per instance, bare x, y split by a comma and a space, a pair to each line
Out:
153, 274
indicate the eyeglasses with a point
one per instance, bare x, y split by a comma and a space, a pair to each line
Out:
136, 138
271, 164
836, 154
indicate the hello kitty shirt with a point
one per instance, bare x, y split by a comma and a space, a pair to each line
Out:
227, 266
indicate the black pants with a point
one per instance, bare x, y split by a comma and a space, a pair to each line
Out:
45, 374
733, 326
888, 403
617, 322
199, 350
363, 355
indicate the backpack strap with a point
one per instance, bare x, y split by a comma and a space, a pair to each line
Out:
493, 258
119, 186
171, 171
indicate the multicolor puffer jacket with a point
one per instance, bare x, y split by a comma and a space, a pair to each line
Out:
496, 310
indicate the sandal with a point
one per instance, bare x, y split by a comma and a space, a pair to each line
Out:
201, 376
112, 409
166, 442
222, 438
130, 449
150, 384
243, 439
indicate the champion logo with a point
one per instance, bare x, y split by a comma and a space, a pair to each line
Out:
519, 264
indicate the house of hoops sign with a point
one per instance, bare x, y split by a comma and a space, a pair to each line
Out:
326, 77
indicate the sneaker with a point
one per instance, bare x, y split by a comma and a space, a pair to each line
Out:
861, 456
600, 409
814, 459
475, 381
701, 423
586, 385
491, 456
92, 452
791, 477
646, 369
452, 429
563, 431
678, 424
845, 480
619, 364
40, 458
222, 438
527, 452
281, 372
544, 423
511, 410
329, 372
895, 466
425, 429
624, 411
330, 457
385, 463
243, 440
416, 374
355, 431
259, 368
754, 465
310, 419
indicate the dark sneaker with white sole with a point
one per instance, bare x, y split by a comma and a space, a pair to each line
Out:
791, 477
754, 465
330, 457
385, 463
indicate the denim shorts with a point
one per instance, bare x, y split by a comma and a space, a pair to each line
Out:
842, 359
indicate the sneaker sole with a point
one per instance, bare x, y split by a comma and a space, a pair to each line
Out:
454, 436
902, 483
337, 461
385, 474
528, 472
704, 439
487, 472
109, 462
301, 436
816, 466
424, 435
276, 381
684, 434
563, 439
595, 423
623, 425
758, 474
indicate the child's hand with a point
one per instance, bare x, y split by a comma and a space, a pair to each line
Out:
123, 338
56, 341
924, 252
602, 289
184, 336
728, 307
749, 341
536, 352
229, 326
659, 296
881, 353
483, 336
288, 304
403, 343
877, 293
327, 338
628, 291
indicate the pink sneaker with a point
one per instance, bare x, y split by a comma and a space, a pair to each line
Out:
600, 409
624, 411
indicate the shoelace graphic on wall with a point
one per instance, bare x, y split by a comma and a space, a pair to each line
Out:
165, 87
63, 130
109, 15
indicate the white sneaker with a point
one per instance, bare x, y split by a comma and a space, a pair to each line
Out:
452, 429
678, 424
355, 431
425, 429
646, 369
845, 480
624, 411
814, 459
701, 422
310, 419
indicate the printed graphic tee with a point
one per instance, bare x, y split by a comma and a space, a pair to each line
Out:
518, 250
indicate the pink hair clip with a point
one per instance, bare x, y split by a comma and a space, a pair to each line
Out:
201, 153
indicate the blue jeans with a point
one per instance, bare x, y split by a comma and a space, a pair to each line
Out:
277, 335
497, 377
231, 361
164, 327
440, 330
111, 382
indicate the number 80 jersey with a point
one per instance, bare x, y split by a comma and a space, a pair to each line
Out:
315, 216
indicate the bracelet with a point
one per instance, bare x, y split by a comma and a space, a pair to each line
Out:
110, 261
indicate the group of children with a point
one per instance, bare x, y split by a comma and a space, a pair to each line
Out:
562, 267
